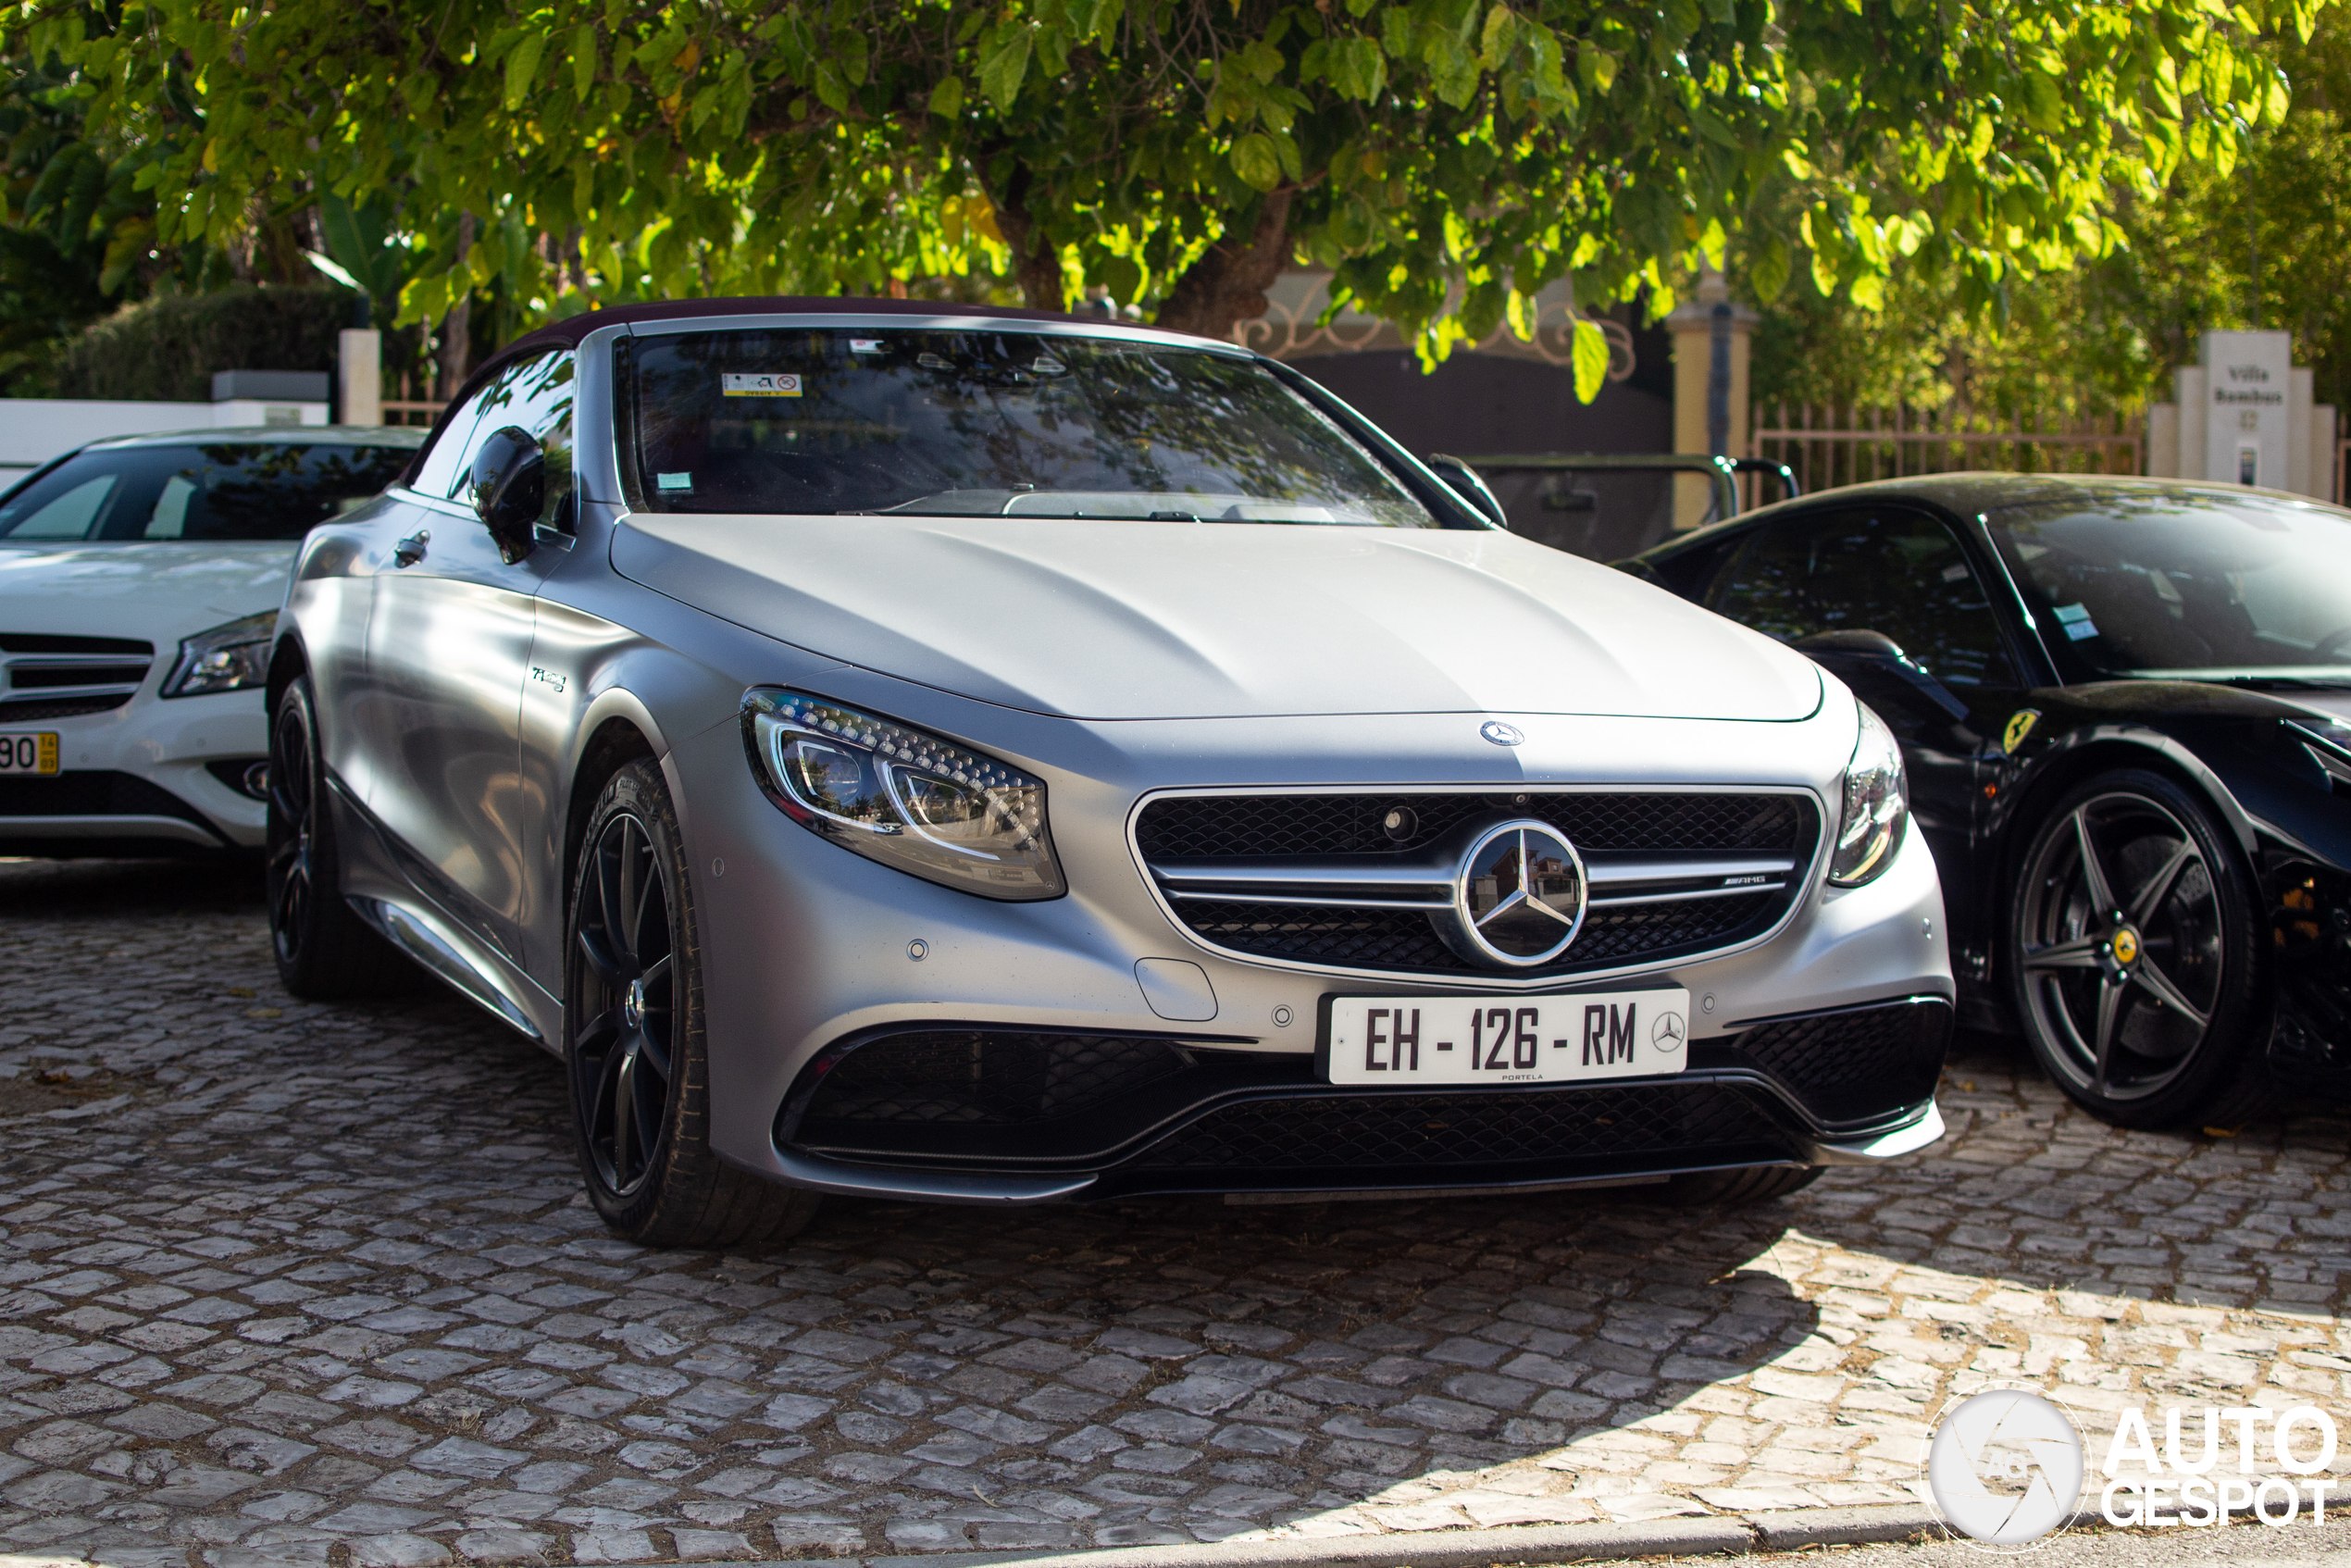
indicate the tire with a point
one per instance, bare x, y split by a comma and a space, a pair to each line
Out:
2133, 951
325, 953
1737, 1189
634, 1042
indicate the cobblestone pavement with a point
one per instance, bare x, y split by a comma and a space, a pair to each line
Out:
287, 1283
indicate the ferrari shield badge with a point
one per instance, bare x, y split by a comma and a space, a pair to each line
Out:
2021, 724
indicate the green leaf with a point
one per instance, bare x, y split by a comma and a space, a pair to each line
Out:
1257, 162
947, 98
522, 68
583, 61
1004, 60
1590, 356
1767, 270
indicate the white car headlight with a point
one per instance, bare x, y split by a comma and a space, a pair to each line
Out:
226, 658
903, 797
1876, 805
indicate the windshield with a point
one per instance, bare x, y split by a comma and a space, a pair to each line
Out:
991, 424
230, 491
2187, 585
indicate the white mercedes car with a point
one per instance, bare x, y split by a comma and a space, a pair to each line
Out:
140, 580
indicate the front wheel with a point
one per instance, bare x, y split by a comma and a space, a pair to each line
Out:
633, 1038
2133, 957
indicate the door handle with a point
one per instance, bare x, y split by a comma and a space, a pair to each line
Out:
411, 550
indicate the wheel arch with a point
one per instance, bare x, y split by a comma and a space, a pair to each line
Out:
2081, 753
288, 662
615, 733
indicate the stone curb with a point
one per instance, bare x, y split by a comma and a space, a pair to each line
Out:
1458, 1549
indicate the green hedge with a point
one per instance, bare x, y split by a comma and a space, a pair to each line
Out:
168, 347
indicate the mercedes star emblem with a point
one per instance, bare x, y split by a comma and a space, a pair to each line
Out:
1667, 1035
1518, 896
1501, 734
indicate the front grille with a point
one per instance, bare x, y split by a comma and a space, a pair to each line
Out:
1431, 1132
92, 793
1190, 826
1859, 1062
1324, 880
57, 643
80, 675
28, 711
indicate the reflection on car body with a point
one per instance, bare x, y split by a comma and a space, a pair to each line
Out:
926, 752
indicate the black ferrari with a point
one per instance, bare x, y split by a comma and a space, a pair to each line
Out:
2125, 709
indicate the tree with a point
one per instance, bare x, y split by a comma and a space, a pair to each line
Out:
1447, 157
2266, 244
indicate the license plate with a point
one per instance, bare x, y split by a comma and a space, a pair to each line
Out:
1392, 1040
29, 753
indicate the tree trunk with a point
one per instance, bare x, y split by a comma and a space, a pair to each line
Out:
1037, 261
456, 328
1227, 284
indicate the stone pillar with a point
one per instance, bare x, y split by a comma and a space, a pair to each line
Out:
1709, 387
359, 376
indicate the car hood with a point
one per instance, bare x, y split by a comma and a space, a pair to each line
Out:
1098, 619
156, 592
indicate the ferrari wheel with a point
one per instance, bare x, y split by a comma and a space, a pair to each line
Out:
2133, 956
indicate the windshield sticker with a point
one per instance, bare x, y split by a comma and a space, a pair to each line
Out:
865, 346
759, 386
674, 481
2076, 620
1955, 574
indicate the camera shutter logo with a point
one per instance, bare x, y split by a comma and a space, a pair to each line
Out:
2005, 1467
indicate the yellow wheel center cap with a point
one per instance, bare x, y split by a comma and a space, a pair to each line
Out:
2126, 945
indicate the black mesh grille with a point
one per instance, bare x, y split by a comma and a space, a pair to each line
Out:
57, 643
999, 1095
1201, 826
25, 711
999, 1078
1860, 1063
1358, 1132
1403, 941
92, 793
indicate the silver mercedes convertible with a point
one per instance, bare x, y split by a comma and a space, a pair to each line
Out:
927, 753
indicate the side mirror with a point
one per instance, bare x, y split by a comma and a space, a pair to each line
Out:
510, 489
1875, 657
1465, 483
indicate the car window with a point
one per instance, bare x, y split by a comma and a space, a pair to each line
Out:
990, 423
1899, 573
198, 491
2167, 583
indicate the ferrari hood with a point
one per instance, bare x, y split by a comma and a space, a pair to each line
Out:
1098, 619
156, 592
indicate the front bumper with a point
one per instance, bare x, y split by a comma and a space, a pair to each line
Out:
149, 778
810, 954
979, 1113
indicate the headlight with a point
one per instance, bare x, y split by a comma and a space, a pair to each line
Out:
909, 799
1875, 806
226, 658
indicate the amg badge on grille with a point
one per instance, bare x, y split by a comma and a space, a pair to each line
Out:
1518, 896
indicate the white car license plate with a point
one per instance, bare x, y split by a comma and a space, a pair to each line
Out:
1391, 1041
22, 754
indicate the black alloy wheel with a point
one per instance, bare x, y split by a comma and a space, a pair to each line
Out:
622, 1054
634, 1041
2133, 957
324, 951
